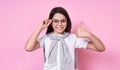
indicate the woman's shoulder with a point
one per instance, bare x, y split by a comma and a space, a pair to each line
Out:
72, 35
43, 37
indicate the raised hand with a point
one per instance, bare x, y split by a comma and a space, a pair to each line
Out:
32, 42
82, 31
45, 23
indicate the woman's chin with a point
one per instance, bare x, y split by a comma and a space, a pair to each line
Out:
59, 32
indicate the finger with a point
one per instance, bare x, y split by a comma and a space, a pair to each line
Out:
49, 21
82, 25
46, 21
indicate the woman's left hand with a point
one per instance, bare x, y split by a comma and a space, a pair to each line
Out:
82, 31
94, 43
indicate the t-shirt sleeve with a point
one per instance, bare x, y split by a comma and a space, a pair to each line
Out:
81, 43
41, 40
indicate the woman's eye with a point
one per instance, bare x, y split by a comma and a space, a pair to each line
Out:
63, 21
56, 21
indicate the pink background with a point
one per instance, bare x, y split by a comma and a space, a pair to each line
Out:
19, 18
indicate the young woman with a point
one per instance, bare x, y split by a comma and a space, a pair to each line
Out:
59, 44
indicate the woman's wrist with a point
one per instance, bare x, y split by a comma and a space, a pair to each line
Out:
90, 36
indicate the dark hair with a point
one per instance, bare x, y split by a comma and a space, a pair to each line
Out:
61, 11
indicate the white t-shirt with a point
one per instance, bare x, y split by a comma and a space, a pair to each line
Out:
72, 41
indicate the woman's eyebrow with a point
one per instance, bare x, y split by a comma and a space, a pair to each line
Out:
58, 19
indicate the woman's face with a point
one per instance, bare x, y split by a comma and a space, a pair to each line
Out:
59, 23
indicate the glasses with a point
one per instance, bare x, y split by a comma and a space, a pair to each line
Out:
61, 21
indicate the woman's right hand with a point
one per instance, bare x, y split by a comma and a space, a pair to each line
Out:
45, 23
32, 42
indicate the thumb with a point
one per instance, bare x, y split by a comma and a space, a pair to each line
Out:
82, 25
49, 21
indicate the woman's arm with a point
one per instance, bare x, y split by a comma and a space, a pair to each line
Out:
95, 43
32, 42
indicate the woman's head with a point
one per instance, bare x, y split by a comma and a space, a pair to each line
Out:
60, 21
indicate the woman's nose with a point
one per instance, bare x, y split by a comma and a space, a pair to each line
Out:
59, 23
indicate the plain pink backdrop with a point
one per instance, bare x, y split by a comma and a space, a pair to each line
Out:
19, 18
